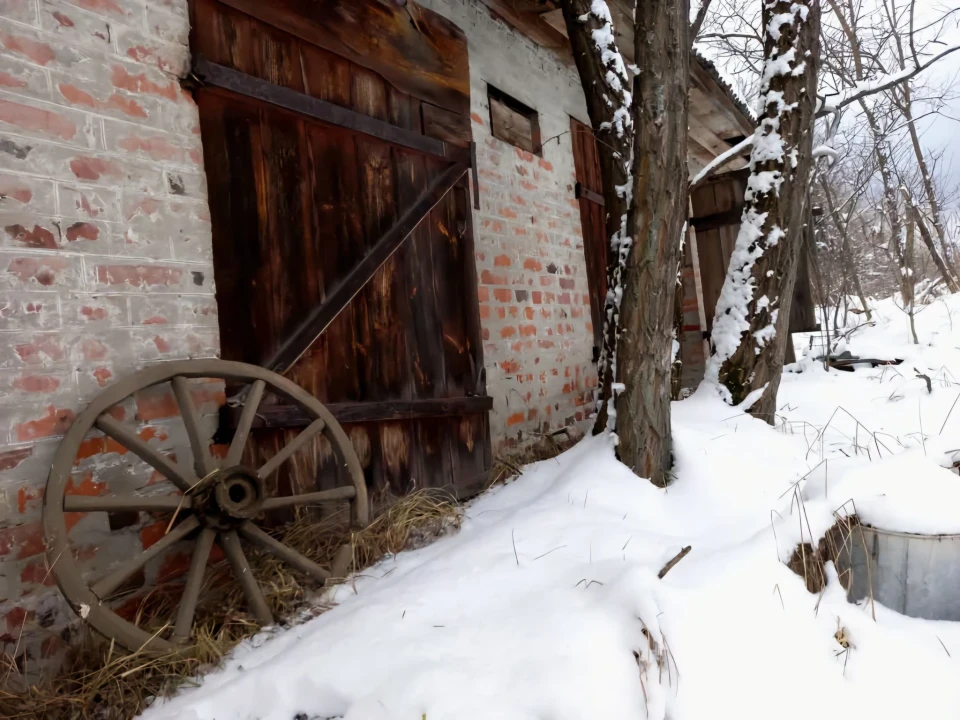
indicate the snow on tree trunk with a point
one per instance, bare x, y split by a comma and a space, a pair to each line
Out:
607, 90
749, 332
642, 144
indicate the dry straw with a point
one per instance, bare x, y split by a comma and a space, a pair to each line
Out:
98, 680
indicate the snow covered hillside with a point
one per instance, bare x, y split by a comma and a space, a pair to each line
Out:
547, 605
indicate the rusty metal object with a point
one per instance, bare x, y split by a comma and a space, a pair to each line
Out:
219, 501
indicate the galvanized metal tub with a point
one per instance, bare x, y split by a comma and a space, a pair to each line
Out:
916, 575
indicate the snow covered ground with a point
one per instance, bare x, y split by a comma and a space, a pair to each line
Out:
547, 606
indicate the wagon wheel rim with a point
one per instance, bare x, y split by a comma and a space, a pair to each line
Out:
217, 504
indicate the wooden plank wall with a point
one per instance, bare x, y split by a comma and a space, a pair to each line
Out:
592, 220
295, 204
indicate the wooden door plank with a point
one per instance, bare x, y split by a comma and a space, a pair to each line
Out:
253, 87
427, 59
321, 316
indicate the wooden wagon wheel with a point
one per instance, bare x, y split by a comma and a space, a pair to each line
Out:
218, 501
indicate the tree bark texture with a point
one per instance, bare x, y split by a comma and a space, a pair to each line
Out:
843, 230
749, 333
607, 90
657, 218
643, 165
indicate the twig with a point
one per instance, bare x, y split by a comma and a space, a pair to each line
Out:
514, 541
676, 558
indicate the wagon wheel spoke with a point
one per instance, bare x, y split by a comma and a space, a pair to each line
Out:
290, 556
340, 494
202, 463
246, 422
106, 586
290, 448
191, 590
130, 440
85, 503
230, 542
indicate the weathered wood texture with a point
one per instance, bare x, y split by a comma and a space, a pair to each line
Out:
592, 221
296, 204
716, 207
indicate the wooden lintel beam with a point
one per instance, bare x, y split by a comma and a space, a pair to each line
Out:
720, 219
719, 99
320, 317
219, 76
290, 416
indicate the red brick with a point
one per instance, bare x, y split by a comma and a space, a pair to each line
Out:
528, 313
523, 154
36, 351
17, 618
94, 168
537, 297
526, 185
484, 312
516, 418
501, 312
54, 422
36, 572
503, 295
483, 294
507, 213
30, 118
37, 238
11, 459
532, 264
141, 84
510, 366
43, 270
546, 280
39, 52
508, 331
502, 261
22, 541
36, 383
155, 146
528, 330
13, 187
82, 231
476, 118
489, 278
519, 231
128, 106
138, 275
531, 414
545, 165
102, 375
567, 283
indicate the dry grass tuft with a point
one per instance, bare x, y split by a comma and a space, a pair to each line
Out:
546, 447
100, 680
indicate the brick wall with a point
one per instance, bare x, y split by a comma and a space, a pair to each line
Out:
105, 260
534, 306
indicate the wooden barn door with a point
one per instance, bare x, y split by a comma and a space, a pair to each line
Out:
589, 192
330, 127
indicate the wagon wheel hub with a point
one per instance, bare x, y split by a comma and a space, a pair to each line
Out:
230, 496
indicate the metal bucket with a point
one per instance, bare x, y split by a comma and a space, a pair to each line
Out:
916, 575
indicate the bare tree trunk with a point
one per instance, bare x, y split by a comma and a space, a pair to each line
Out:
754, 308
644, 172
662, 51
907, 280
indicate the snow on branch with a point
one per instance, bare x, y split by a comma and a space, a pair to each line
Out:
721, 160
878, 84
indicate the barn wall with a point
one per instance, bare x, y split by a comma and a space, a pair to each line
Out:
535, 311
105, 253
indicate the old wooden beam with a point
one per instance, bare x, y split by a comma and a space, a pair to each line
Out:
579, 191
290, 416
320, 317
709, 222
240, 83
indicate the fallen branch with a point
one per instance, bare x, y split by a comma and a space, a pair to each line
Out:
673, 561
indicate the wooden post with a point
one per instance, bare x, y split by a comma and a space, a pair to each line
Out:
697, 282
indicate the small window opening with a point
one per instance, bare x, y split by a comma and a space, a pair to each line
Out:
513, 122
